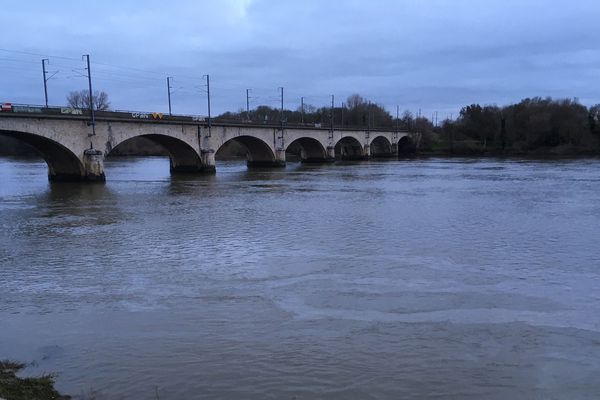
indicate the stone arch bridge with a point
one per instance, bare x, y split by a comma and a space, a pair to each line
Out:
73, 152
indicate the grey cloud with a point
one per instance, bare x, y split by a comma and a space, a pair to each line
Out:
434, 55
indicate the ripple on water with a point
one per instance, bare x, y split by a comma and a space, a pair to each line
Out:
434, 278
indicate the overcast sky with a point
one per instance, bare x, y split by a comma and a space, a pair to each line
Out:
430, 54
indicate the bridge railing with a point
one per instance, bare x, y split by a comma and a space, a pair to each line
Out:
66, 111
80, 113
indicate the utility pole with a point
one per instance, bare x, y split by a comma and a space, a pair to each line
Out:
302, 110
169, 92
248, 104
208, 101
332, 110
343, 106
281, 112
91, 96
397, 119
45, 80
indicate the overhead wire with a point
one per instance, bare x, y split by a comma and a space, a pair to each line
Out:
36, 54
66, 69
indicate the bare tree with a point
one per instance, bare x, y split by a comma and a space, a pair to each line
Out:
407, 121
81, 99
355, 101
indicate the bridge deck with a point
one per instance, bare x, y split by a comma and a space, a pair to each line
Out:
30, 111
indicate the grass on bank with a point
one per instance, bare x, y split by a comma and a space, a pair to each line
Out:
14, 388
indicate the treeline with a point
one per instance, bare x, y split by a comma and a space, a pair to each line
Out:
536, 125
356, 112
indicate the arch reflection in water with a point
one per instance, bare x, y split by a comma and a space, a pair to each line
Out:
381, 147
182, 157
257, 152
349, 148
406, 146
63, 164
307, 150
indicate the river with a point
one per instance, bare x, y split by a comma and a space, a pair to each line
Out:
434, 278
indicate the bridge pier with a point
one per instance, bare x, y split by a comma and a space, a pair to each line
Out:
366, 151
89, 169
93, 163
280, 157
331, 152
208, 161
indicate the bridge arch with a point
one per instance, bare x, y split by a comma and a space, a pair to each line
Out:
182, 157
381, 147
349, 148
63, 164
406, 146
258, 152
309, 149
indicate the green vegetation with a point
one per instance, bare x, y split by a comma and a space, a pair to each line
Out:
14, 388
532, 126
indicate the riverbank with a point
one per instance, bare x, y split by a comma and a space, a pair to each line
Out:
470, 148
13, 387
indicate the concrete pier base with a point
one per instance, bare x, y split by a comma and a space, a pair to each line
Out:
331, 153
93, 162
208, 161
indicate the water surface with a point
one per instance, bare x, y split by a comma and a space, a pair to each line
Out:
475, 279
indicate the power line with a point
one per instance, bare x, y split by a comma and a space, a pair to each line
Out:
140, 78
18, 60
37, 54
162, 73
